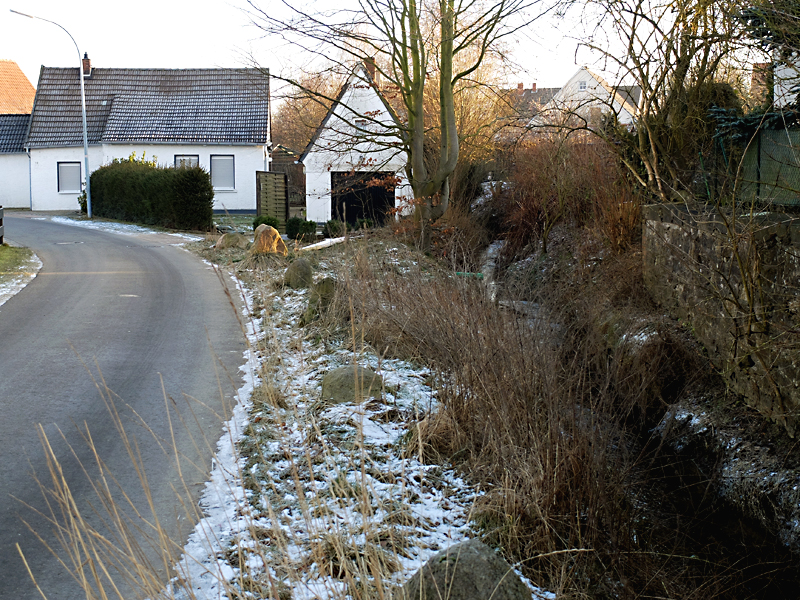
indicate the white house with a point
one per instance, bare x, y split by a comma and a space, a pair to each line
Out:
787, 81
215, 118
585, 98
16, 100
354, 163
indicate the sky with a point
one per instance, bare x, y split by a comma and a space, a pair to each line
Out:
202, 34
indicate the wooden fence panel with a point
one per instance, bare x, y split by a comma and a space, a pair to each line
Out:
272, 197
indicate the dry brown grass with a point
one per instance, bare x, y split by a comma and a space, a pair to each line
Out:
563, 180
547, 410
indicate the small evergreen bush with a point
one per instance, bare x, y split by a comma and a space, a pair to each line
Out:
334, 228
364, 224
265, 220
297, 228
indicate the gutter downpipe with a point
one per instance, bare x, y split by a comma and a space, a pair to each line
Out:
30, 180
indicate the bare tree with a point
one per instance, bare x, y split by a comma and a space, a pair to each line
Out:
413, 44
674, 52
301, 109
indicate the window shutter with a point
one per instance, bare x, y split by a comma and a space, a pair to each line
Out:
222, 173
69, 177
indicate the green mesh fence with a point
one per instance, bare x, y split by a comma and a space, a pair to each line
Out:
771, 167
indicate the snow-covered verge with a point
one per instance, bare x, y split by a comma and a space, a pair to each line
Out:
321, 500
120, 228
13, 283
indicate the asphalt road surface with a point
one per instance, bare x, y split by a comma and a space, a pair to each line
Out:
137, 311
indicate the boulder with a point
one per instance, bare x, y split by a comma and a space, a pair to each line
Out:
351, 384
268, 241
232, 240
466, 571
299, 274
320, 298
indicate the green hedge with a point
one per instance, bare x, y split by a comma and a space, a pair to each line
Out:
297, 228
130, 190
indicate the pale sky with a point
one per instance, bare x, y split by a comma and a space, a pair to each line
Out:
199, 34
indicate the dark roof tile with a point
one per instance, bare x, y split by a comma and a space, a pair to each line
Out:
215, 106
12, 132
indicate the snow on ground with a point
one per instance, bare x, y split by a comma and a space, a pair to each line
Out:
324, 487
19, 280
121, 228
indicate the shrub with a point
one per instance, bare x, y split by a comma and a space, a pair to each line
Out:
297, 228
131, 190
334, 228
577, 182
265, 220
364, 224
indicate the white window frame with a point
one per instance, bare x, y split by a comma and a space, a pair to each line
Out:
582, 86
192, 159
61, 187
219, 158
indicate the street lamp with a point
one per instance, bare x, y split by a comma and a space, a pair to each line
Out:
83, 109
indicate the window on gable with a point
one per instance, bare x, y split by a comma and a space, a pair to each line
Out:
222, 171
69, 177
186, 160
581, 85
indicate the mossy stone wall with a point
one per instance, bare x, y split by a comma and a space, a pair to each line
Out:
735, 282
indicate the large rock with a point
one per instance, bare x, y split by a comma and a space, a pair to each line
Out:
268, 241
232, 240
351, 384
299, 274
320, 298
466, 571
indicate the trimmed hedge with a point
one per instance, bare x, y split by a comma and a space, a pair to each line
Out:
130, 190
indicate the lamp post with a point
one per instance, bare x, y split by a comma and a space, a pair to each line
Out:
83, 109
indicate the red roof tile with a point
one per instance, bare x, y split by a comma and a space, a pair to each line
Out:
16, 92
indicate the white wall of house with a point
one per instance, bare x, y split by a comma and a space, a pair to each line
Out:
241, 196
14, 180
787, 82
585, 96
355, 138
45, 194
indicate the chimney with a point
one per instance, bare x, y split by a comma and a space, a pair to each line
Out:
87, 65
369, 63
533, 86
520, 87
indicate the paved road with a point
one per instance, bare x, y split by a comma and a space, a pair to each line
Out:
132, 308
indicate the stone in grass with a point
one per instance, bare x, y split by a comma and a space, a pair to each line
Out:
231, 240
268, 241
299, 274
319, 299
466, 571
351, 384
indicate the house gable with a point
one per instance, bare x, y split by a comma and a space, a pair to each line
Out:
587, 95
358, 123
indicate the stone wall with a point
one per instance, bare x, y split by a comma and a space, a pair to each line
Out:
735, 282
